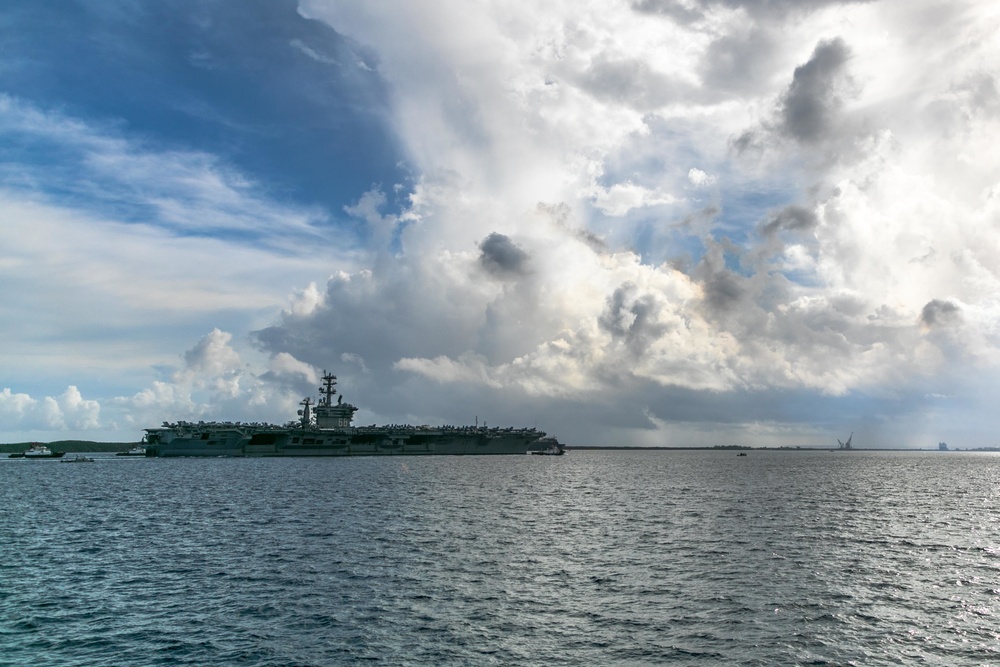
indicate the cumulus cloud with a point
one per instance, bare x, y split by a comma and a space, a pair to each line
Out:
835, 254
69, 411
813, 98
810, 111
699, 178
211, 381
791, 218
214, 382
499, 255
829, 293
633, 318
120, 290
15, 405
940, 313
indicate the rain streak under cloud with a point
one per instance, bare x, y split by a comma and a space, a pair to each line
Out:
646, 223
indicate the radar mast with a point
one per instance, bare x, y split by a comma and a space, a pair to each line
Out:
327, 391
306, 412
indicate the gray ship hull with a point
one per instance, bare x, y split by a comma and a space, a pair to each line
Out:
325, 429
217, 440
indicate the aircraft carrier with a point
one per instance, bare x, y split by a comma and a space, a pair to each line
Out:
325, 429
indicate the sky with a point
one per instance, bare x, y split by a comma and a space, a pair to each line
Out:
623, 222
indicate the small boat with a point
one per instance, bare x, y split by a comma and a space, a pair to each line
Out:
38, 451
554, 448
79, 458
137, 450
742, 454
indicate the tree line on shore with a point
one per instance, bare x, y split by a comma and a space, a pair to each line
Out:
69, 446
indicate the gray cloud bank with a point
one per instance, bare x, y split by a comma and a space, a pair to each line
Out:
664, 223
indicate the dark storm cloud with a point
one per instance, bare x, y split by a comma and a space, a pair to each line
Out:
501, 256
746, 143
940, 313
791, 218
631, 82
724, 289
808, 112
632, 318
739, 62
808, 107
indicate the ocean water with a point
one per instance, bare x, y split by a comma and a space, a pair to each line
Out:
593, 558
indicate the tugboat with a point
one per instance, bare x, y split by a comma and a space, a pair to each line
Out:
38, 451
553, 449
137, 450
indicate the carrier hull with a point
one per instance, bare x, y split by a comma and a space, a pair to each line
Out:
217, 440
325, 429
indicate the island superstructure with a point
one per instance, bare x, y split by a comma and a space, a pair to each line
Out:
326, 429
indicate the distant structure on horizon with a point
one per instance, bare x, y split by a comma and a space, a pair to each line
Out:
943, 446
846, 445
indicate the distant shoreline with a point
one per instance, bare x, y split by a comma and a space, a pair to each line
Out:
88, 446
742, 448
70, 446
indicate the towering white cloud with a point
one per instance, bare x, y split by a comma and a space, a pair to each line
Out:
648, 222
68, 411
845, 245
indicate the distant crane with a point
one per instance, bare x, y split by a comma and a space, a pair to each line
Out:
846, 445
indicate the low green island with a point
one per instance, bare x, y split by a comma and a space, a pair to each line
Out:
70, 446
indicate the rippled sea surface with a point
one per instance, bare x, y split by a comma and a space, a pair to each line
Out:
594, 558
